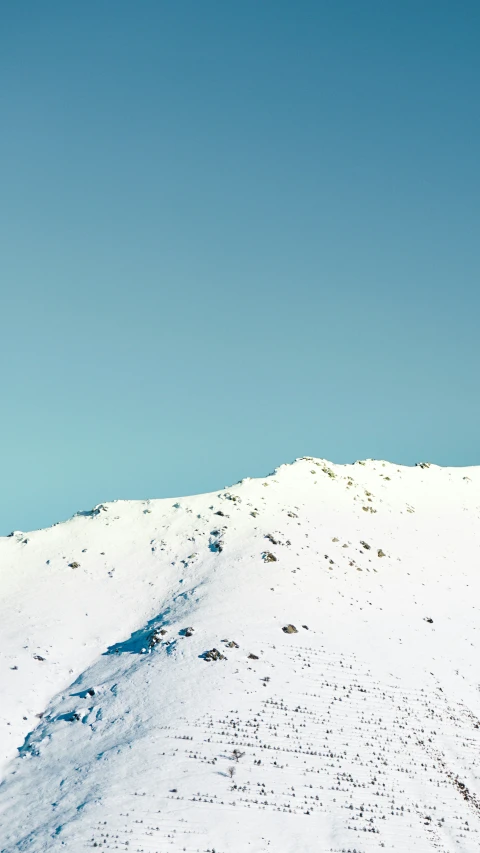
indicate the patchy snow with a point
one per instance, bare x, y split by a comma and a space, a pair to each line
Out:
144, 642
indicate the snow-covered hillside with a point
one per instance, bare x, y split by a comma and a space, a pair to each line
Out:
340, 606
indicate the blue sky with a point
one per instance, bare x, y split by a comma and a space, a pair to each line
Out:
231, 234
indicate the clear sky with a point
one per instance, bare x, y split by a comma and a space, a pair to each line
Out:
231, 234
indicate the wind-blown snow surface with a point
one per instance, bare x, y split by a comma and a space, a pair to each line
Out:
359, 732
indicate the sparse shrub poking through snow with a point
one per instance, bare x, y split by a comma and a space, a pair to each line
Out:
237, 754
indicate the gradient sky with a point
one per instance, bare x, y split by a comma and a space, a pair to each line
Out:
231, 234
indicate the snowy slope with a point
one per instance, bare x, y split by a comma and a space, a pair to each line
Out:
360, 731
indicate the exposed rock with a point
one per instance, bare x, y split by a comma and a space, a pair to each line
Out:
381, 553
74, 565
213, 654
155, 637
289, 629
365, 545
253, 657
268, 557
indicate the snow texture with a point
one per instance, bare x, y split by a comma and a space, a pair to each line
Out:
288, 665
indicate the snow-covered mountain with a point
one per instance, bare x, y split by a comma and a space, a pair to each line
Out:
288, 665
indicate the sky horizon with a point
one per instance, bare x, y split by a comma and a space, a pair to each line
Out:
232, 235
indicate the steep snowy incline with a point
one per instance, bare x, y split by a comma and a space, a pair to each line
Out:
290, 664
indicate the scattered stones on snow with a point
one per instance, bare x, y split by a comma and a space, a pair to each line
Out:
365, 545
428, 619
329, 472
38, 657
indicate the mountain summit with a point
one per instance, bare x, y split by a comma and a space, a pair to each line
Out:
287, 665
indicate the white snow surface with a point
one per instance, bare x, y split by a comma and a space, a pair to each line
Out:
359, 732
